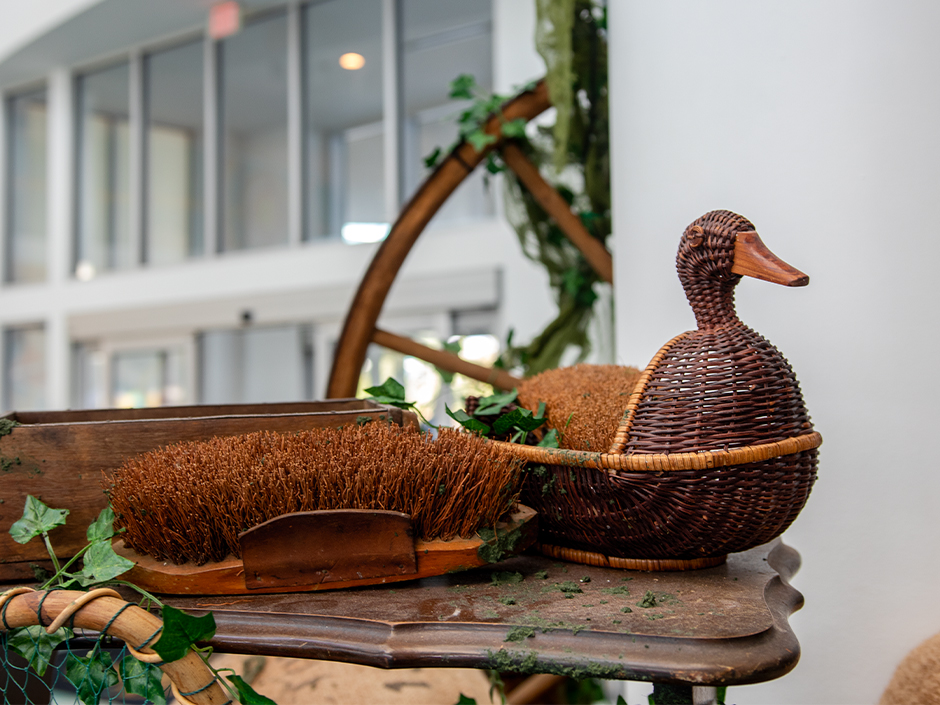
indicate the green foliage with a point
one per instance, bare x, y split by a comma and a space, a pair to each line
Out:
36, 646
584, 691
497, 544
180, 631
467, 421
520, 633
101, 528
572, 38
465, 700
550, 439
510, 420
144, 679
392, 392
103, 564
494, 403
95, 672
91, 675
454, 348
247, 694
37, 520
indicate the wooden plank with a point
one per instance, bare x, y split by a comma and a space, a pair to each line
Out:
329, 546
227, 577
543, 192
446, 361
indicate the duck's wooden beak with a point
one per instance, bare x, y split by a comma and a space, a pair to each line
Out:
753, 259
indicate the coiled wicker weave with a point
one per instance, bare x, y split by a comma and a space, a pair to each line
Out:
715, 452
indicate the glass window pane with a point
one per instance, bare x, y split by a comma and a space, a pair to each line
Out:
27, 188
255, 365
345, 141
104, 227
24, 383
174, 154
254, 119
444, 39
147, 378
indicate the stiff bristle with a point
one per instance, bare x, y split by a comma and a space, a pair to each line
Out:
584, 403
188, 502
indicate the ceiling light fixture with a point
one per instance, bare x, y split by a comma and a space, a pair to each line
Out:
352, 61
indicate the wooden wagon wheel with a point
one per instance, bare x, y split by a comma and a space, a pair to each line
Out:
360, 329
105, 610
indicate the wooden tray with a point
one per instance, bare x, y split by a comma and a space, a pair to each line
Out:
309, 551
58, 456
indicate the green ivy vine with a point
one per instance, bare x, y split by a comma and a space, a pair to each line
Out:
95, 672
572, 155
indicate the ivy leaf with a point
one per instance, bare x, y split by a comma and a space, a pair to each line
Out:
467, 421
392, 393
514, 128
180, 631
521, 419
36, 646
493, 166
453, 348
550, 439
247, 694
101, 528
480, 139
144, 679
494, 403
462, 86
37, 519
389, 389
431, 160
466, 700
91, 675
102, 563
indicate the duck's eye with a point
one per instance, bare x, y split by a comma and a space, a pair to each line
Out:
696, 236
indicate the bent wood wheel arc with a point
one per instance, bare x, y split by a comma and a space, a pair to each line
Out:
359, 328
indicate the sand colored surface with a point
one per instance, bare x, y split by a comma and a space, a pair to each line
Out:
290, 681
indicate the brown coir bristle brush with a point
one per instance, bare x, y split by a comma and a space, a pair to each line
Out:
584, 403
188, 502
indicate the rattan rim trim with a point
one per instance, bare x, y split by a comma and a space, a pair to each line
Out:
664, 462
601, 560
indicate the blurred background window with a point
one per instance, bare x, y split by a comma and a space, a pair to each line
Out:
174, 115
26, 173
24, 368
256, 364
254, 128
104, 237
344, 136
143, 378
443, 39
131, 376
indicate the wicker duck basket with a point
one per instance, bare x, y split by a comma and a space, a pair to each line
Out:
715, 452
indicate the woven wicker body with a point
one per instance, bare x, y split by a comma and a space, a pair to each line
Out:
715, 452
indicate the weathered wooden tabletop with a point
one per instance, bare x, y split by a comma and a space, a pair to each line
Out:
719, 626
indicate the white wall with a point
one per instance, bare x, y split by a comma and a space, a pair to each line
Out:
819, 122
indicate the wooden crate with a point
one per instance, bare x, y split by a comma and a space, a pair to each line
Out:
59, 456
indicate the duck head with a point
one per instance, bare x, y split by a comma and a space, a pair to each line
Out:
714, 253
